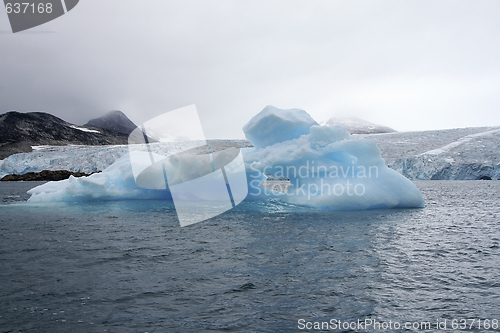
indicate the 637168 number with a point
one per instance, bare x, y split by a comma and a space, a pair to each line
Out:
27, 7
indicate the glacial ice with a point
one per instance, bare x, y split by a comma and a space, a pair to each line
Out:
273, 125
472, 157
413, 154
455, 154
327, 168
86, 159
118, 182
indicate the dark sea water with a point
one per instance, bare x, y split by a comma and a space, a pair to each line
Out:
129, 267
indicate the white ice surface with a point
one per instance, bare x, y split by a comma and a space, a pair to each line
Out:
460, 154
87, 159
116, 182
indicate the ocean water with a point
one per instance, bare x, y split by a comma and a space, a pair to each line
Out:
129, 267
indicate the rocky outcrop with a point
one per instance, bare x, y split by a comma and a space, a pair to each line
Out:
45, 175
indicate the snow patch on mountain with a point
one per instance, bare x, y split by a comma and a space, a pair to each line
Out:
358, 126
83, 129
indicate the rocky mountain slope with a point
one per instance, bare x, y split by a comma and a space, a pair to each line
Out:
20, 131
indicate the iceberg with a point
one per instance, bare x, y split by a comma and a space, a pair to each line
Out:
118, 182
326, 167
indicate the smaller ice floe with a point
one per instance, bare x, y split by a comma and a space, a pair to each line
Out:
115, 183
118, 182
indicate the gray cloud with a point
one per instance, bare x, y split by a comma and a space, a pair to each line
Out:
409, 65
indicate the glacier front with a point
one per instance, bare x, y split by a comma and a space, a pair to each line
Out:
326, 166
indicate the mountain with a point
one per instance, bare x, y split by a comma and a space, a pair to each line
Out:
115, 121
20, 131
358, 126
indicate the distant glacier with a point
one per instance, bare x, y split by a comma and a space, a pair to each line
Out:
80, 158
455, 154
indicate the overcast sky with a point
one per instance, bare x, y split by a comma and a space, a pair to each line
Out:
410, 65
